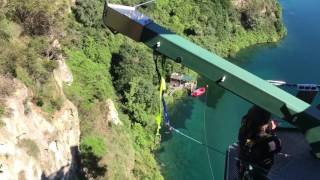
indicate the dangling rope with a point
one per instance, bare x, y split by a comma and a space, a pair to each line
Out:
205, 133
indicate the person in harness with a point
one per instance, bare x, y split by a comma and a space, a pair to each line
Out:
258, 144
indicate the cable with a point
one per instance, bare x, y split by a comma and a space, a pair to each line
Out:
205, 134
138, 5
189, 137
195, 140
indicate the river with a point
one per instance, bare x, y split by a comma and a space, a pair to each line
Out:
295, 59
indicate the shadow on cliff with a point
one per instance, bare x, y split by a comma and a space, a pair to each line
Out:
83, 166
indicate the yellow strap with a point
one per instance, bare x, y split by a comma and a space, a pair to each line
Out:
159, 116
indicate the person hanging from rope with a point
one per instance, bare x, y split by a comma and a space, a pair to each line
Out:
258, 144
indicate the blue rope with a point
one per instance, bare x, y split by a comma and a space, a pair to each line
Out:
165, 112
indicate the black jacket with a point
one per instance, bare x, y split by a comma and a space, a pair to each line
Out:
260, 150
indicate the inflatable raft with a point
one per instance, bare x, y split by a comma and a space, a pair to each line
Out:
198, 92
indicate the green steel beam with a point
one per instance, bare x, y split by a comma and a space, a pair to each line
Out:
139, 27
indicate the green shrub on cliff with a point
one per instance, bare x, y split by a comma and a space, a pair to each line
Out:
92, 82
96, 143
134, 76
88, 12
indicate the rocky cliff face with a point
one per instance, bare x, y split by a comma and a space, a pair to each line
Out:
33, 146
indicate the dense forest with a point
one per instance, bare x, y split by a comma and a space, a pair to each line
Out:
110, 66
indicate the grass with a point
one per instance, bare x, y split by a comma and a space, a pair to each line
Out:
48, 97
120, 157
91, 80
23, 76
96, 143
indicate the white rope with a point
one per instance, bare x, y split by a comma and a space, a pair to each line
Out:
193, 139
205, 136
138, 5
179, 132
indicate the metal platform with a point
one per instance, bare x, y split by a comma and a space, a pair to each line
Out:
299, 165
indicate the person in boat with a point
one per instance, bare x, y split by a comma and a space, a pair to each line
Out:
258, 144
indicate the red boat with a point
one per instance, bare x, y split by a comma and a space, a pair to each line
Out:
198, 92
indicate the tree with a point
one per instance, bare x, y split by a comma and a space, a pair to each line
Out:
89, 12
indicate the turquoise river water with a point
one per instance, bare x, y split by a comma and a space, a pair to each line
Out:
295, 59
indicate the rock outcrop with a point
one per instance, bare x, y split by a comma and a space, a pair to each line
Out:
33, 146
112, 113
